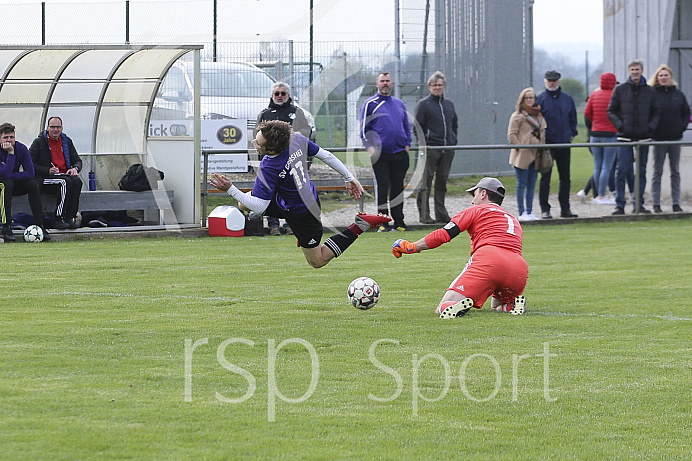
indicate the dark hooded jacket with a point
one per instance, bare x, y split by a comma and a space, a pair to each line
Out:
675, 113
633, 110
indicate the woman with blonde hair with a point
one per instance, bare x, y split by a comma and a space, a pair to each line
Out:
526, 126
675, 115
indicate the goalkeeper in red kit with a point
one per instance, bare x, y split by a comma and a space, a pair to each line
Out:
496, 267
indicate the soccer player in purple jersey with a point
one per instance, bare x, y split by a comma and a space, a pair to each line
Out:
283, 189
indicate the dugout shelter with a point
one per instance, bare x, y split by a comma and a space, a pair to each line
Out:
104, 95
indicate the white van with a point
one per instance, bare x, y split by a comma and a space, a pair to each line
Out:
233, 92
227, 91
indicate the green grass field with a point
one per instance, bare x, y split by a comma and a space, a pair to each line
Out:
218, 348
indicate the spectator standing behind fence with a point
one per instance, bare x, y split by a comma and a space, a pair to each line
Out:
281, 107
635, 114
386, 134
602, 131
675, 115
57, 165
438, 122
526, 126
17, 178
560, 115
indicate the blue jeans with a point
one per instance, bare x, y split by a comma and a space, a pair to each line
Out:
603, 160
625, 173
674, 163
526, 187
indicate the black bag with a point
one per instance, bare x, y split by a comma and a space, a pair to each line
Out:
254, 226
139, 177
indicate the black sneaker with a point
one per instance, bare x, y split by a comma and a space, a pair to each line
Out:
546, 215
657, 209
7, 234
643, 210
618, 210
568, 214
60, 223
677, 209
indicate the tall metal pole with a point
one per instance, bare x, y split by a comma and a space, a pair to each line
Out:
213, 58
312, 57
397, 51
127, 22
586, 81
43, 23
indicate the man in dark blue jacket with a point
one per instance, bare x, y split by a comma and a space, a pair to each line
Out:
635, 114
560, 115
438, 124
386, 134
14, 156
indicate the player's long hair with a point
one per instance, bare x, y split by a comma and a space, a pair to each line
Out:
277, 135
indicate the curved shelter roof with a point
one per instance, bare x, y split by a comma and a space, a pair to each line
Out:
105, 92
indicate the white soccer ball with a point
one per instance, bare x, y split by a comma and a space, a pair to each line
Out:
33, 233
363, 293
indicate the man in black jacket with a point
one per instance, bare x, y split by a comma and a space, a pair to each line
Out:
635, 114
438, 123
281, 107
57, 167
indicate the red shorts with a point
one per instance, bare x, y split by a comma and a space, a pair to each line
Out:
492, 271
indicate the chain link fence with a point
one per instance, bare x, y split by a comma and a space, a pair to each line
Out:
484, 47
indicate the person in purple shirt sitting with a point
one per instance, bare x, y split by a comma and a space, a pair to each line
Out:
283, 189
14, 156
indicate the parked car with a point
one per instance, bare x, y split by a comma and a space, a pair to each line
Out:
227, 91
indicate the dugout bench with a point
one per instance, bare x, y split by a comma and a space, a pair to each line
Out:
106, 200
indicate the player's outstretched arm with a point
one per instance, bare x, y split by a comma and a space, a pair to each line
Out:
220, 182
404, 247
355, 188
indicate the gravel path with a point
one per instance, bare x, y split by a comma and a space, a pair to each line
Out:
586, 211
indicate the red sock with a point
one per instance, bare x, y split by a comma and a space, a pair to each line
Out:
355, 229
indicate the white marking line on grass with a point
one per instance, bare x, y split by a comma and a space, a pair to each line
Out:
570, 314
129, 295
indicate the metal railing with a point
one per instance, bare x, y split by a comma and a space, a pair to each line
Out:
424, 149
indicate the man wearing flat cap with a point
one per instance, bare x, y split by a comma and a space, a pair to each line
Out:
496, 267
560, 115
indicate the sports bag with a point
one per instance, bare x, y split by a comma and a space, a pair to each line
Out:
544, 160
139, 177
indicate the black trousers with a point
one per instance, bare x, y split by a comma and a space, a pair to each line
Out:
390, 171
562, 158
14, 187
438, 163
67, 189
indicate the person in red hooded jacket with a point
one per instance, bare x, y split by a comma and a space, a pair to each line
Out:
602, 131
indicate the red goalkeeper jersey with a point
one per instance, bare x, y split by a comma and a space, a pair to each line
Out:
487, 224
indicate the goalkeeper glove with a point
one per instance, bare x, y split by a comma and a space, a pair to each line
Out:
402, 246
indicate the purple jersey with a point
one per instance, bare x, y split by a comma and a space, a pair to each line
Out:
286, 175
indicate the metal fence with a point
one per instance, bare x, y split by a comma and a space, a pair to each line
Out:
483, 46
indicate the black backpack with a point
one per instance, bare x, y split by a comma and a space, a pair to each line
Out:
139, 177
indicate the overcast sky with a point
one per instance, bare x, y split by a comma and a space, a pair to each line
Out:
566, 26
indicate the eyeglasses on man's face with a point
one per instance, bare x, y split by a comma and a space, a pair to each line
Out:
280, 93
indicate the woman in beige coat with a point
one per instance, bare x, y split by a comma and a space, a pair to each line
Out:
526, 126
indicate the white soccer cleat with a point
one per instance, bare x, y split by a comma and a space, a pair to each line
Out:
519, 305
457, 310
